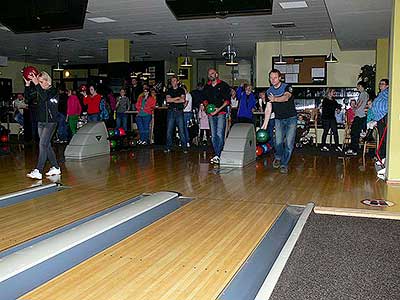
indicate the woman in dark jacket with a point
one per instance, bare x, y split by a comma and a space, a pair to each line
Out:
47, 96
329, 106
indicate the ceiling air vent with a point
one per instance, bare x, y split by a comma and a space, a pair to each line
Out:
179, 45
63, 39
144, 33
283, 25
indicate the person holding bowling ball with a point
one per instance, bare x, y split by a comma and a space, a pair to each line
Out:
216, 92
40, 86
281, 102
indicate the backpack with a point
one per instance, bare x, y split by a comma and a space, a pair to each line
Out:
105, 109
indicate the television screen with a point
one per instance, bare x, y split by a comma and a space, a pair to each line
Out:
21, 16
197, 9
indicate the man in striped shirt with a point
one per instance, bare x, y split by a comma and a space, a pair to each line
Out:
380, 110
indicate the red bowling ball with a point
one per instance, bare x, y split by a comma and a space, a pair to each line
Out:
29, 70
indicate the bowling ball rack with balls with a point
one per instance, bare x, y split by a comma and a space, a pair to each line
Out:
119, 139
263, 145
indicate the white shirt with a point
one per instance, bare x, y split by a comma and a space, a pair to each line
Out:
188, 107
234, 102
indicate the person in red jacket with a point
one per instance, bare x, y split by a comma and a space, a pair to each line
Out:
93, 102
74, 110
145, 106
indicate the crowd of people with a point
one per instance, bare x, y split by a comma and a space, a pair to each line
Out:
59, 111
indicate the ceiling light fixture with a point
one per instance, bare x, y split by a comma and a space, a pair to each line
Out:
280, 61
170, 72
186, 61
331, 58
146, 73
59, 68
230, 52
26, 55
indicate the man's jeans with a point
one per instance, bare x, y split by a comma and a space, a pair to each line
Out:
187, 116
175, 118
217, 126
122, 120
285, 134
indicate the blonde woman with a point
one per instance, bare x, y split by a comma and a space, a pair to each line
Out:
40, 86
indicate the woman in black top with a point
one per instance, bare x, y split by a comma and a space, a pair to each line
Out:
329, 105
47, 96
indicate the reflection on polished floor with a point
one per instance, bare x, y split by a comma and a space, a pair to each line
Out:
227, 202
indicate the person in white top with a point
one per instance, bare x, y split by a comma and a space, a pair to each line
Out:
187, 113
19, 105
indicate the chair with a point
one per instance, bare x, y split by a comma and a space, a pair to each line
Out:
372, 144
347, 132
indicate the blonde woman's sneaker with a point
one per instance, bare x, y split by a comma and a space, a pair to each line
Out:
53, 171
35, 174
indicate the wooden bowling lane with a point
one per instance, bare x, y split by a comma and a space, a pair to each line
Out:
189, 254
29, 219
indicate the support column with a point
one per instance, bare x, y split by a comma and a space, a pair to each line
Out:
382, 61
393, 138
118, 50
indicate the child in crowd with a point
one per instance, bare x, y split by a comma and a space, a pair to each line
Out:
74, 110
350, 113
204, 125
121, 107
370, 121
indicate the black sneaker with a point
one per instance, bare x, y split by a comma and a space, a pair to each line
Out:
167, 150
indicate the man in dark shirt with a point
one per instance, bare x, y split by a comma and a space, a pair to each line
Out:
175, 101
217, 92
281, 102
136, 90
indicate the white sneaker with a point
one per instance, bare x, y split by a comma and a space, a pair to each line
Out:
55, 178
324, 149
215, 160
53, 171
351, 152
35, 174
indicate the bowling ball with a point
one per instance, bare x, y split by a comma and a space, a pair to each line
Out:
110, 132
262, 136
265, 148
29, 70
122, 132
82, 88
116, 132
113, 144
259, 150
4, 138
210, 108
